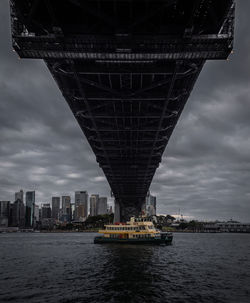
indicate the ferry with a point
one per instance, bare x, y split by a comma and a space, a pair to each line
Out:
136, 231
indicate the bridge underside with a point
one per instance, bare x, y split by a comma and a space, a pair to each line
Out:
126, 69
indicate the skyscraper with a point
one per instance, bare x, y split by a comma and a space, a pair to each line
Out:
66, 208
4, 213
46, 211
55, 207
102, 206
19, 195
93, 200
18, 214
36, 214
81, 205
30, 204
149, 208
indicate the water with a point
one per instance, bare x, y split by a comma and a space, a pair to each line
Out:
70, 268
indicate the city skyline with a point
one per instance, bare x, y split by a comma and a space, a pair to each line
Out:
205, 168
15, 195
26, 213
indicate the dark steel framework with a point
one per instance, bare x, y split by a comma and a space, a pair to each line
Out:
126, 69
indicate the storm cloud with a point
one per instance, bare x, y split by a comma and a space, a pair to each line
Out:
205, 170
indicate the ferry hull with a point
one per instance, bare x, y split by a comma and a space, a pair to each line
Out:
165, 241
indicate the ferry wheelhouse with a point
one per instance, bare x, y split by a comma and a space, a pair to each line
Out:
136, 231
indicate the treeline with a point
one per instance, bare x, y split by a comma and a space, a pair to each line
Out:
92, 222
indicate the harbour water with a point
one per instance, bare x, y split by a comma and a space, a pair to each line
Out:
68, 267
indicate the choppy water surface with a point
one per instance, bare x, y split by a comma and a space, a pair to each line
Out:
70, 268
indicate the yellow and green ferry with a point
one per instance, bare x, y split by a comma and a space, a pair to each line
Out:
136, 231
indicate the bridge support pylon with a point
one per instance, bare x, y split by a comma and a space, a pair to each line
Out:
123, 211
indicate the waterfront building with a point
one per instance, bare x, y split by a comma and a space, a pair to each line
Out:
19, 195
229, 226
18, 214
66, 208
46, 211
93, 200
81, 205
48, 223
102, 206
55, 207
29, 210
4, 213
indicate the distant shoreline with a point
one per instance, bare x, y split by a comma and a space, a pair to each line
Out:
96, 231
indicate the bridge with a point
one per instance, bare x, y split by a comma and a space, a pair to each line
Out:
126, 69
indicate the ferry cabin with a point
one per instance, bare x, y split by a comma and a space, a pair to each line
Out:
136, 228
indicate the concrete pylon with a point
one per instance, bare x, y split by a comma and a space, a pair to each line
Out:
117, 215
123, 212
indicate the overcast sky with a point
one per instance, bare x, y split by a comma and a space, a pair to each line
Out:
205, 171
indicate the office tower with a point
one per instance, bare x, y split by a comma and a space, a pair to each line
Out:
81, 205
102, 206
4, 213
36, 214
110, 211
93, 200
40, 214
19, 195
29, 213
18, 214
46, 211
72, 207
149, 208
55, 207
66, 208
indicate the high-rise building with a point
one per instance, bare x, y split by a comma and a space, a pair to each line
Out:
46, 211
102, 206
149, 208
36, 214
81, 205
18, 214
66, 208
55, 207
93, 201
72, 205
29, 210
110, 210
4, 213
19, 195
